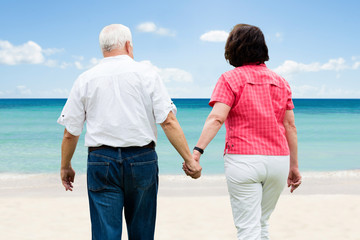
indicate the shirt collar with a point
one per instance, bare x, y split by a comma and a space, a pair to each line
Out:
118, 57
255, 64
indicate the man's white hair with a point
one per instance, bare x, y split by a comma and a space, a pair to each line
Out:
114, 36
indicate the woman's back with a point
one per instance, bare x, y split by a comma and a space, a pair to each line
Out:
258, 98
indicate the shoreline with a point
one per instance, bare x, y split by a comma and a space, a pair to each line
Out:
333, 182
306, 174
35, 206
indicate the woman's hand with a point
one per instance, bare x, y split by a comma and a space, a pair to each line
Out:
294, 179
193, 168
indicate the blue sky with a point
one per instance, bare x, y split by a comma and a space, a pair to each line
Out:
45, 45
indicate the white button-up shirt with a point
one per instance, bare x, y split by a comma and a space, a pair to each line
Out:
121, 101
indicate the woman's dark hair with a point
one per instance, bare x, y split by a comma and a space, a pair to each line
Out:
246, 44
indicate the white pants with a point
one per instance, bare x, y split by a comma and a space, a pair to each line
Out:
255, 183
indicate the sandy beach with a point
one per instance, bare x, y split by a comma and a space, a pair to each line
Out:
325, 207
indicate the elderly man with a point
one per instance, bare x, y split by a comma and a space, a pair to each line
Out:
121, 101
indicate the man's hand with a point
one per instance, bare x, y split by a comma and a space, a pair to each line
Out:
68, 147
193, 168
67, 177
294, 179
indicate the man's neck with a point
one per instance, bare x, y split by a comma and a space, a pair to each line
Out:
114, 52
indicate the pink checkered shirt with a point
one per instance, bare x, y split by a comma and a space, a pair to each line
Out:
258, 98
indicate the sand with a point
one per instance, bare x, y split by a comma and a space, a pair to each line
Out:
325, 207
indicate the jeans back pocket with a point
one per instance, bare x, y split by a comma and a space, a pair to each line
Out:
97, 173
144, 174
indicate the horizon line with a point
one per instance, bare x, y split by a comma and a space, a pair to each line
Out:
35, 98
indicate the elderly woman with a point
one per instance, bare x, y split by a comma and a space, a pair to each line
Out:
261, 139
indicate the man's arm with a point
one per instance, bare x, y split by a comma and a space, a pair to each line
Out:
68, 147
294, 179
177, 138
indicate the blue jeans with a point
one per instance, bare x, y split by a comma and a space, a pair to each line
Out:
122, 178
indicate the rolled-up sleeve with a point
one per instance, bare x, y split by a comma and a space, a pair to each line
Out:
73, 114
161, 101
289, 102
222, 93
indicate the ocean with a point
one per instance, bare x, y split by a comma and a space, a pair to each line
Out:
30, 138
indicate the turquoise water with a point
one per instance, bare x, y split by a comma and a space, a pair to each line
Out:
30, 138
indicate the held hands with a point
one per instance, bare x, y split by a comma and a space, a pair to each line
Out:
67, 177
294, 179
193, 168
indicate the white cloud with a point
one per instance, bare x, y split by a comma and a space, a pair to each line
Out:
51, 93
323, 91
315, 90
303, 91
175, 74
180, 83
94, 61
290, 67
171, 74
189, 90
79, 64
165, 32
64, 65
56, 93
356, 65
150, 27
5, 93
146, 27
30, 53
55, 63
27, 53
334, 64
279, 36
78, 58
61, 91
215, 36
326, 92
23, 90
51, 51
51, 63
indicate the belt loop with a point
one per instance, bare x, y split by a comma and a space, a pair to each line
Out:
119, 152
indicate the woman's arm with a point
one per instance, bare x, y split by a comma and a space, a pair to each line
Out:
291, 137
294, 179
213, 124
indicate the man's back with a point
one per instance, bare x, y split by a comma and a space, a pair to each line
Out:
121, 101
